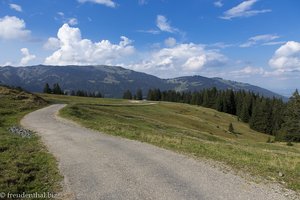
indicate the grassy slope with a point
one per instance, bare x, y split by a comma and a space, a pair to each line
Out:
189, 129
25, 164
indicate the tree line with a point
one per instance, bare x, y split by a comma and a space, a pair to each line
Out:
137, 96
56, 89
268, 115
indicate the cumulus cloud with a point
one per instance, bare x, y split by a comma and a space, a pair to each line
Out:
75, 50
259, 39
52, 44
27, 57
218, 4
108, 3
244, 9
164, 25
180, 59
15, 7
12, 27
287, 57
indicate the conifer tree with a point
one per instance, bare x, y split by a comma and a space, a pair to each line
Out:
127, 95
291, 125
57, 89
244, 114
139, 94
47, 89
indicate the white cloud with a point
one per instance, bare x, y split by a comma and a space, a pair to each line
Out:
73, 21
248, 71
221, 45
266, 37
181, 59
12, 27
61, 14
52, 44
152, 31
218, 4
259, 39
61, 17
164, 25
27, 57
244, 9
195, 63
273, 43
170, 42
75, 50
287, 57
8, 63
15, 7
108, 3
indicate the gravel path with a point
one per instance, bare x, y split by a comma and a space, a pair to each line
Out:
99, 166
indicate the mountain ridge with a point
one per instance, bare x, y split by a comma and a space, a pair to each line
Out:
112, 81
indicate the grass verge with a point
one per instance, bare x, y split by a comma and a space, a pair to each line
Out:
25, 164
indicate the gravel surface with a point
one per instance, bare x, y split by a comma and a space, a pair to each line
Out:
99, 166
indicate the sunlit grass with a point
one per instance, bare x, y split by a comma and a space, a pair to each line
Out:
192, 130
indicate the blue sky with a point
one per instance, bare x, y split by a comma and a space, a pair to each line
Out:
253, 41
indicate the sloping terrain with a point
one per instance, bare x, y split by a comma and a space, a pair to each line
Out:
111, 81
25, 164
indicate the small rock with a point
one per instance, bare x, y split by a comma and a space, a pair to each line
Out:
280, 174
20, 131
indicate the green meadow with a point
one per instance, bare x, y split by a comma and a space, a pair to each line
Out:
25, 164
192, 130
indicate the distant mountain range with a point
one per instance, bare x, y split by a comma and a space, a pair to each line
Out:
112, 81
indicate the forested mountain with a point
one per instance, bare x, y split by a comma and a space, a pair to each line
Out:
111, 81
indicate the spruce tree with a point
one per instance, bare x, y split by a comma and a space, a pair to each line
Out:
257, 119
277, 113
261, 119
139, 94
244, 114
205, 102
57, 89
127, 95
291, 125
47, 89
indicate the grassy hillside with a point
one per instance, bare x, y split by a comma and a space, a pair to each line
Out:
25, 164
193, 130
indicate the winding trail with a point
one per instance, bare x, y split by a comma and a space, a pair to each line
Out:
99, 166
